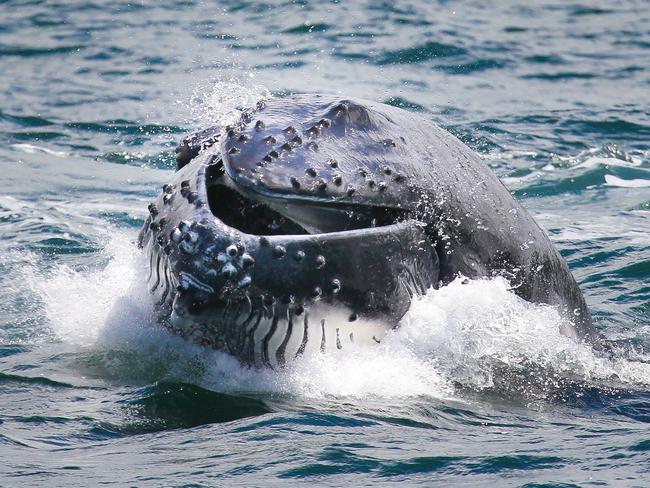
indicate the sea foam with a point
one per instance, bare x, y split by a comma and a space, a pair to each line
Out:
466, 333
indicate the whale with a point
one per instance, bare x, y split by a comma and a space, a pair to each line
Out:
313, 221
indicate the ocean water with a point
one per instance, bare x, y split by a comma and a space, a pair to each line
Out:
476, 388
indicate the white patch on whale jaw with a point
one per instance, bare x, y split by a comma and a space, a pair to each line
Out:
276, 335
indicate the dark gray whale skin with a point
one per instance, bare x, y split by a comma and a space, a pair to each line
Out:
314, 220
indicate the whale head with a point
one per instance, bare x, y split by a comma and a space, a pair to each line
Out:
283, 221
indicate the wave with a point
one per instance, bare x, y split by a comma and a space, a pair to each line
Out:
474, 335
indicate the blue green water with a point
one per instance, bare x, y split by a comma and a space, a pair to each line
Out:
476, 389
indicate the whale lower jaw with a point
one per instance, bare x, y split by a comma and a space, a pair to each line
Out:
273, 336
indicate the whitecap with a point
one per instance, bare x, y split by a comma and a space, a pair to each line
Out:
611, 180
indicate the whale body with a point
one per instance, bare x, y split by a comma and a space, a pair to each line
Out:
313, 221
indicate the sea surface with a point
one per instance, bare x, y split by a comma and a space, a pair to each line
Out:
477, 388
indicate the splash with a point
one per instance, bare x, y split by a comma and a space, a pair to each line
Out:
222, 102
481, 328
79, 303
466, 333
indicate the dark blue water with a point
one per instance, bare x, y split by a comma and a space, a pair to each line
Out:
476, 389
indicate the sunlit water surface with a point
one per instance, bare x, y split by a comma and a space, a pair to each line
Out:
477, 387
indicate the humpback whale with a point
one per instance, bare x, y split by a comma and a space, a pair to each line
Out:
313, 221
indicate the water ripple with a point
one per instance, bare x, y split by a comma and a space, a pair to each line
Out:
95, 96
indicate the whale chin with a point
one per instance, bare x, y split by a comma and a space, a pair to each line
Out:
274, 334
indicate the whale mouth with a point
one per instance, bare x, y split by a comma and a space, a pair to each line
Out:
269, 279
247, 215
264, 215
267, 273
326, 242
